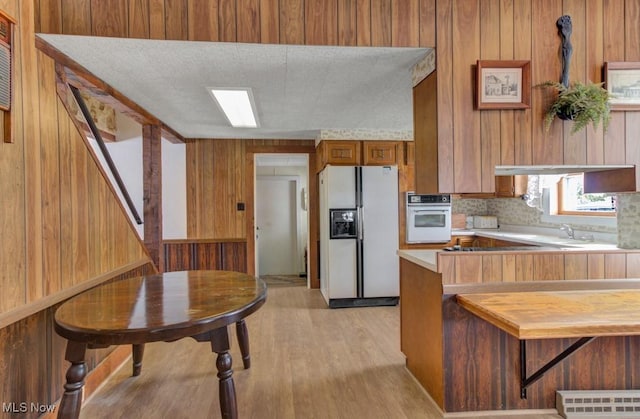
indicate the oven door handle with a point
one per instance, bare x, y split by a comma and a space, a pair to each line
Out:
431, 210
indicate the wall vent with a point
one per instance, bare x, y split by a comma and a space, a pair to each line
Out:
596, 404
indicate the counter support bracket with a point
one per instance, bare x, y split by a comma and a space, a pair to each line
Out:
527, 381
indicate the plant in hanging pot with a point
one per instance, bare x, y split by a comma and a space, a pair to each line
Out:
580, 103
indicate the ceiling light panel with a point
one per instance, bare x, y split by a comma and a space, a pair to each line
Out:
238, 106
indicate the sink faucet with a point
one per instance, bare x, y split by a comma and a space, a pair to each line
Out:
568, 229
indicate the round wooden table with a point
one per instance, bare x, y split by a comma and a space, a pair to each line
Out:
162, 307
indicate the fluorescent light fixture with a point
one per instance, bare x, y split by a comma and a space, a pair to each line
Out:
237, 105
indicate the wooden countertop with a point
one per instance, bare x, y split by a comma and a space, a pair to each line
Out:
559, 314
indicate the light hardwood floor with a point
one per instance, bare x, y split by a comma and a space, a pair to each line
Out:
307, 362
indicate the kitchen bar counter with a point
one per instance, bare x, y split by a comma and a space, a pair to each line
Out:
551, 251
581, 314
559, 314
443, 342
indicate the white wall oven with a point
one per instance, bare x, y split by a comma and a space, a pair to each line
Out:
428, 218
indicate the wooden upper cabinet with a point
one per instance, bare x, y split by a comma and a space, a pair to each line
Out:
380, 153
511, 186
409, 153
345, 153
359, 153
425, 131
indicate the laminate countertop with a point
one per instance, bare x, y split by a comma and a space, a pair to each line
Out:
429, 258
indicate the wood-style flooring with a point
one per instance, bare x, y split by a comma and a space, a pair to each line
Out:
307, 362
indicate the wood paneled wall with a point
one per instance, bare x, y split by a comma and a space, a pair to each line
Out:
32, 357
220, 176
482, 368
181, 255
216, 183
61, 223
311, 22
468, 30
462, 31
470, 269
215, 187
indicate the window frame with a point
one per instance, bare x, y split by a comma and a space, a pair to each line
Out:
560, 200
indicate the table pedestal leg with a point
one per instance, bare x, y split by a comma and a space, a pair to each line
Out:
138, 351
72, 399
243, 342
227, 391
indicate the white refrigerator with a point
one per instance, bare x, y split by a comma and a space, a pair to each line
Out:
359, 235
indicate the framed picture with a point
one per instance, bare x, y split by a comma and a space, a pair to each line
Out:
622, 80
503, 84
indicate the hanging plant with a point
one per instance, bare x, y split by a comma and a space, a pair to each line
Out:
580, 103
577, 102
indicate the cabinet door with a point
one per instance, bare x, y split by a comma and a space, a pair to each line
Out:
431, 176
483, 242
511, 186
380, 153
342, 152
409, 153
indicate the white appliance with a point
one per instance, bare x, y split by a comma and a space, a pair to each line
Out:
359, 235
428, 218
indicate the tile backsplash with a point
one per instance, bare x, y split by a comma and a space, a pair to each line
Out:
515, 211
629, 221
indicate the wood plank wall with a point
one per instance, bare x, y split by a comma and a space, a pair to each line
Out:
468, 30
462, 30
61, 223
472, 269
482, 368
32, 357
326, 22
181, 255
215, 186
220, 176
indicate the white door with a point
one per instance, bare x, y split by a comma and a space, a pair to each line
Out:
276, 226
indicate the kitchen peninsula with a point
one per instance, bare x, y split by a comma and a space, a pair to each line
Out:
468, 364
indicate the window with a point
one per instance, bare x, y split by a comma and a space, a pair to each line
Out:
572, 200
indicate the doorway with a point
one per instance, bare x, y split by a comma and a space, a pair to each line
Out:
276, 225
281, 215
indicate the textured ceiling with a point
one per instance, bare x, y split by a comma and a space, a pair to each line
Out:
299, 90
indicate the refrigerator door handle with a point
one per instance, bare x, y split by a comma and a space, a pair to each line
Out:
360, 223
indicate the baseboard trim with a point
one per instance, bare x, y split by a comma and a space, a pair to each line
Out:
99, 375
483, 413
498, 413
